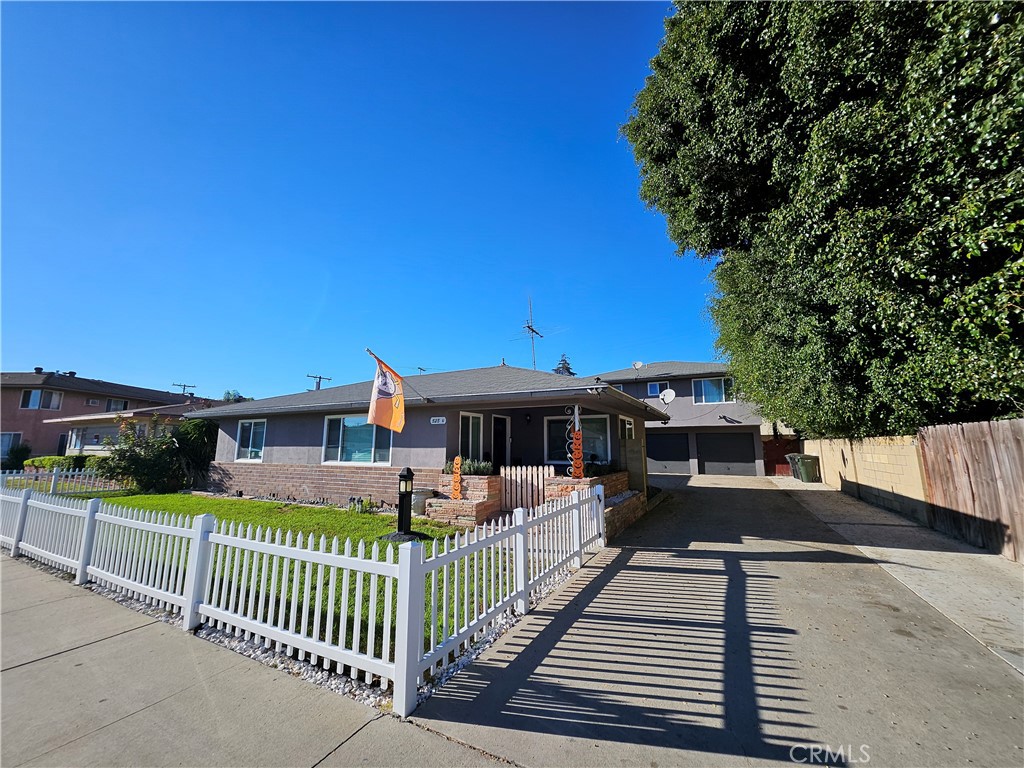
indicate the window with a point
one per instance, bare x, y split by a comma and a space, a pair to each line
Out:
250, 440
655, 388
92, 401
8, 440
113, 404
713, 390
627, 430
351, 438
618, 387
41, 399
471, 430
596, 440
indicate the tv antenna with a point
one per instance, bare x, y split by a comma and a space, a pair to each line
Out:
318, 378
184, 387
534, 333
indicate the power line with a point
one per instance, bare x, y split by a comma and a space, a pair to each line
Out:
184, 387
318, 378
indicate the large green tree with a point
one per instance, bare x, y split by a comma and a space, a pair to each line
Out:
856, 170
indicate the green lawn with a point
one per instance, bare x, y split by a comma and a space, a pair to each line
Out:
326, 521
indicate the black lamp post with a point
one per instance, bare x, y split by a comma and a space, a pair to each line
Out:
405, 502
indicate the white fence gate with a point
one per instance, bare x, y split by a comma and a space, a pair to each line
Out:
379, 615
523, 486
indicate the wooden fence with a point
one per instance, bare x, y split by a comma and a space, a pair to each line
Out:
389, 616
523, 486
974, 476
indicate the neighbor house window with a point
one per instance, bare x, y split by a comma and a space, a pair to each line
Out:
8, 440
250, 440
618, 387
351, 438
41, 399
655, 388
113, 404
596, 440
627, 430
471, 431
713, 390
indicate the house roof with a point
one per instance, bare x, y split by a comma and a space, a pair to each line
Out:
497, 383
67, 382
177, 409
670, 369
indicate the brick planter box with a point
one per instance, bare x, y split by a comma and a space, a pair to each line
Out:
309, 483
622, 515
557, 487
481, 500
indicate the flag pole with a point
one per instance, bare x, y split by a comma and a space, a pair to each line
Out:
405, 380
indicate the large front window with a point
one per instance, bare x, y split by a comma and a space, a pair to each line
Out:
596, 442
250, 440
713, 391
471, 429
41, 399
352, 438
8, 440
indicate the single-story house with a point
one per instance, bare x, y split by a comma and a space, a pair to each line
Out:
317, 445
710, 429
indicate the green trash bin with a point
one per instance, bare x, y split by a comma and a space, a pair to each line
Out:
808, 467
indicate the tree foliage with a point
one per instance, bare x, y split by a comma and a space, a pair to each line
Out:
856, 170
163, 458
564, 368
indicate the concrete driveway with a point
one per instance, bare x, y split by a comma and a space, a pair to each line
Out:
733, 626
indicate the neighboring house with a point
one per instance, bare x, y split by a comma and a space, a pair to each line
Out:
29, 402
709, 430
317, 445
90, 434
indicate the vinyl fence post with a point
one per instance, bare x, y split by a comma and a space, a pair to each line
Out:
599, 511
197, 570
521, 555
409, 626
54, 480
576, 515
88, 534
19, 528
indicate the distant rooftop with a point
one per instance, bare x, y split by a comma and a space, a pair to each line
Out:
669, 369
72, 382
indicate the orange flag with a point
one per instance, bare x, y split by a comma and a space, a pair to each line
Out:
387, 404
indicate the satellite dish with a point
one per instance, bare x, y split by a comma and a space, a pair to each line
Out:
637, 365
667, 396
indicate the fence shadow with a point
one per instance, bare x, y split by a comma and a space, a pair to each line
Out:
671, 639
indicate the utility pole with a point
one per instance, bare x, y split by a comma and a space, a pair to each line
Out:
533, 334
318, 378
184, 387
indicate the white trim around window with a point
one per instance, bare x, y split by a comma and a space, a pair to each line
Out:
586, 454
335, 446
467, 451
627, 428
719, 389
655, 388
257, 432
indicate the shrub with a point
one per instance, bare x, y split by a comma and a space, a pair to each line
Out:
16, 456
50, 463
151, 461
471, 467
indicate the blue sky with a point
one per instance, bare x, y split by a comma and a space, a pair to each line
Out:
237, 195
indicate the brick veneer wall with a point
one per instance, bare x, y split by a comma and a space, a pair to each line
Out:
622, 515
557, 487
311, 483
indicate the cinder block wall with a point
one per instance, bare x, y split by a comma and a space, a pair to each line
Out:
885, 471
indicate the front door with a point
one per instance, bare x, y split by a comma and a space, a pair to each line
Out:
501, 441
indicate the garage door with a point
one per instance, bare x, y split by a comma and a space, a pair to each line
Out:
725, 454
668, 453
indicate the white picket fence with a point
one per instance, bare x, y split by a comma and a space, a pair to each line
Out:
391, 614
59, 481
523, 486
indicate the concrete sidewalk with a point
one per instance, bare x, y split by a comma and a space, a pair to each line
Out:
88, 682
